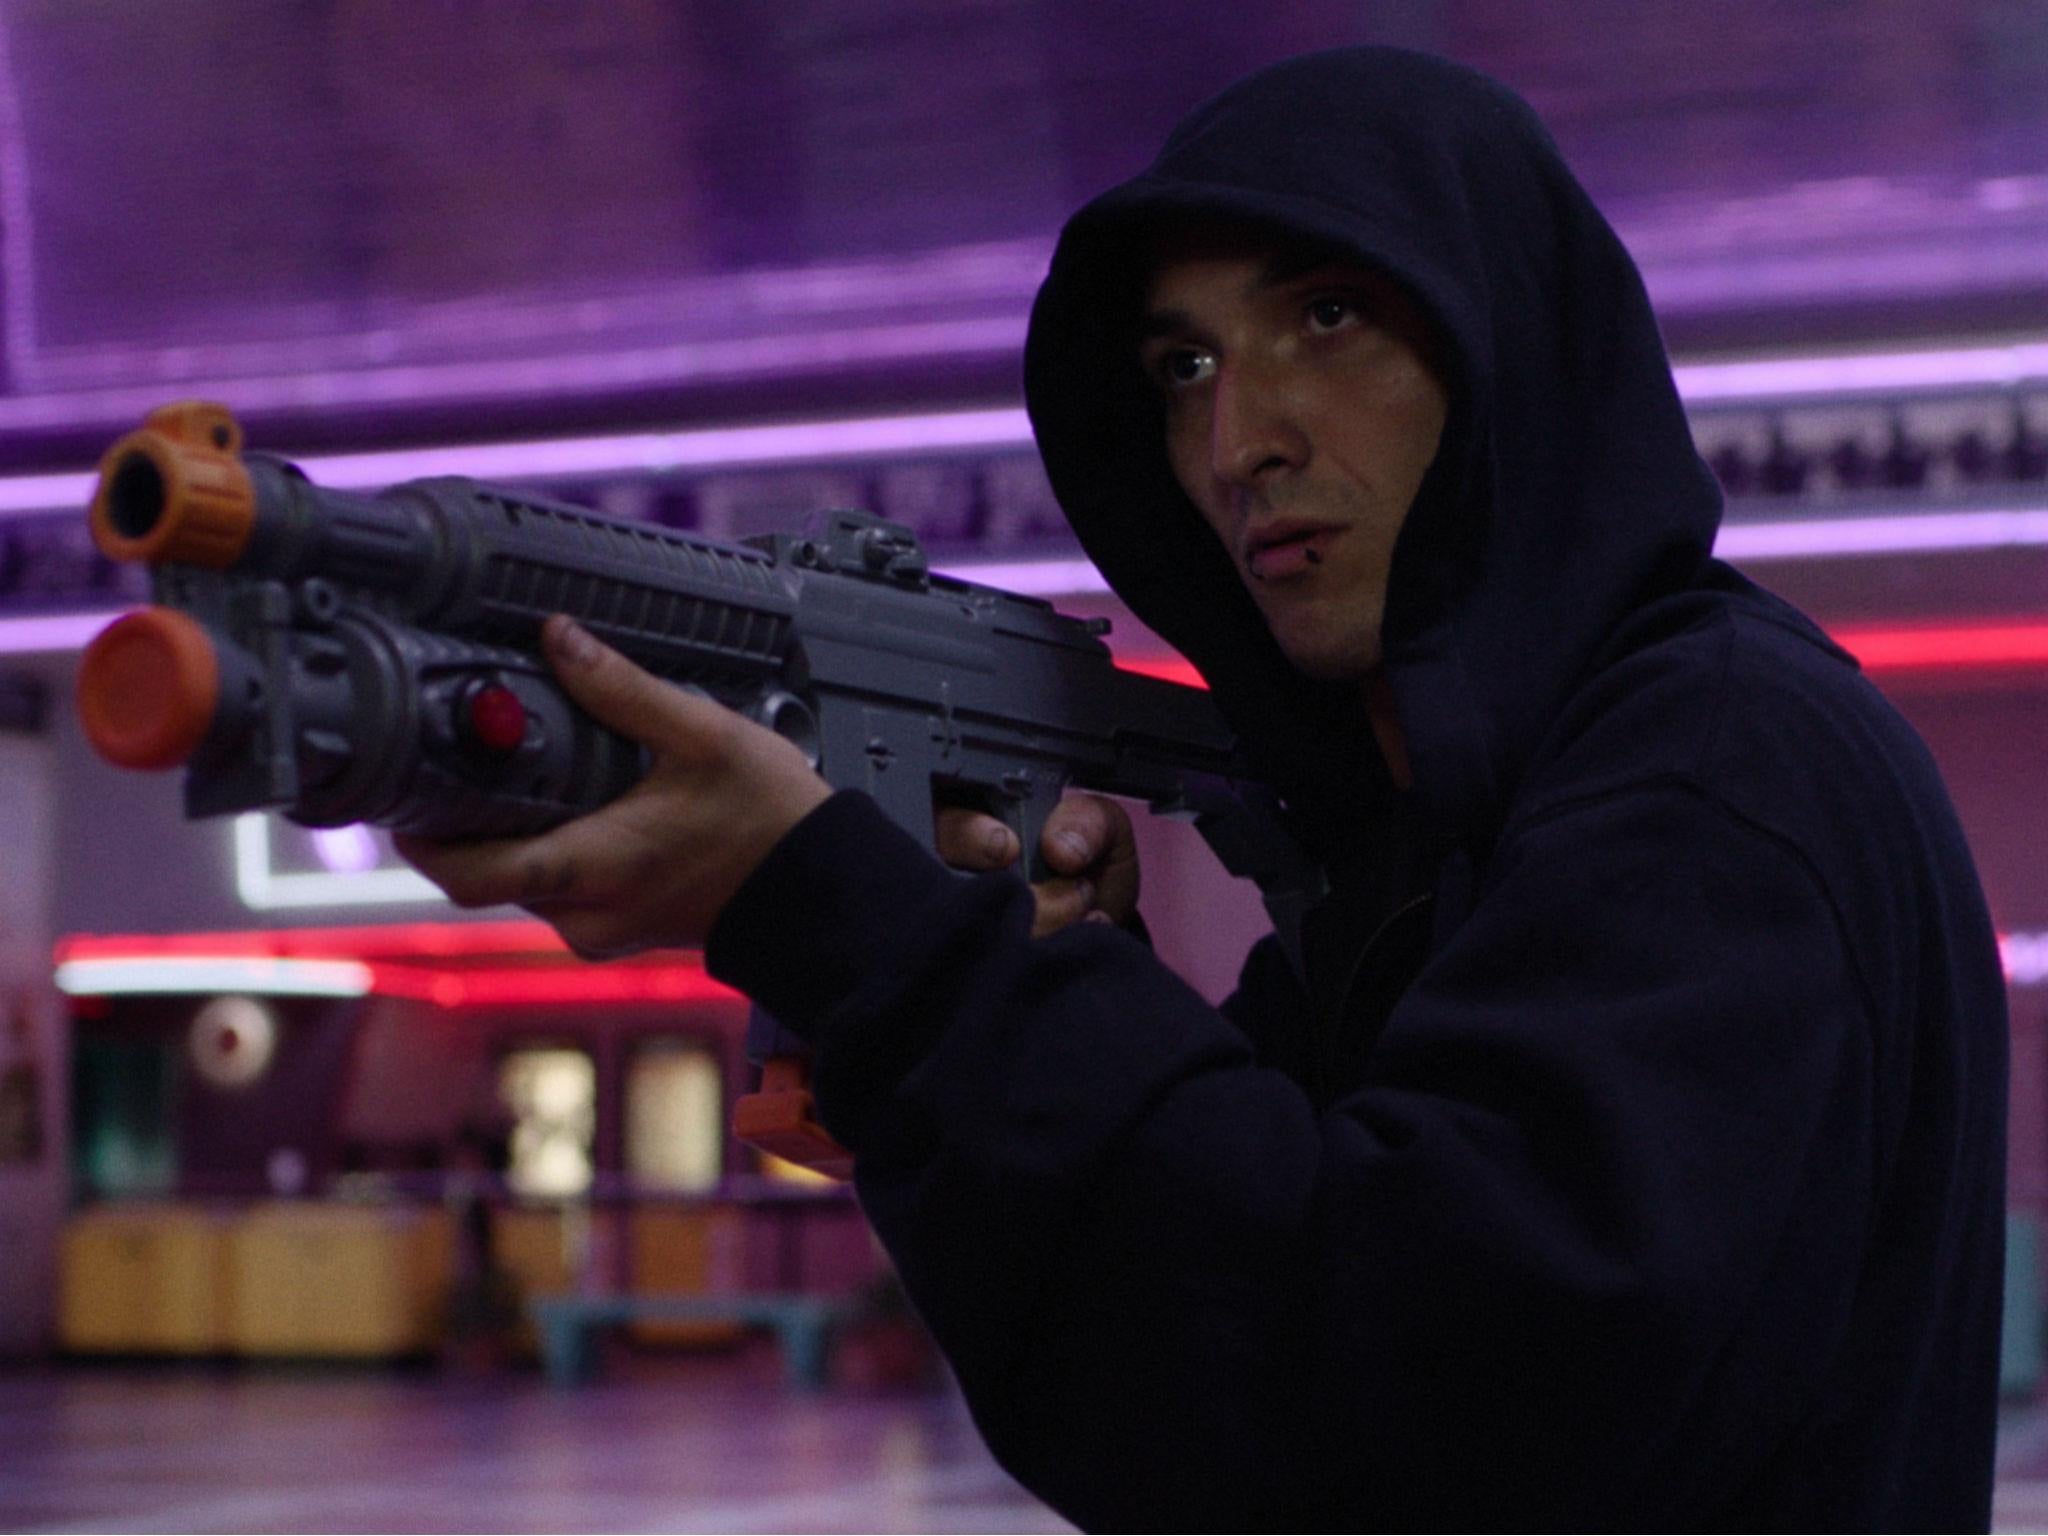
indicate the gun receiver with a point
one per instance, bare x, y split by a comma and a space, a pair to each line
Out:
375, 658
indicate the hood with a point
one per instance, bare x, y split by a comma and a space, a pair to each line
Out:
1565, 494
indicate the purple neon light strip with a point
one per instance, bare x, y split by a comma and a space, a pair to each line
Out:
715, 448
957, 431
1833, 538
53, 633
535, 378
796, 442
17, 239
44, 493
1836, 538
757, 315
1845, 374
2005, 365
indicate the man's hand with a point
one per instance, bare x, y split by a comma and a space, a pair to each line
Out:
655, 867
1088, 846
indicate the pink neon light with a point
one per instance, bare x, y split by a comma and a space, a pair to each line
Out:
1171, 668
580, 985
1946, 648
2025, 958
395, 952
392, 952
1949, 648
371, 942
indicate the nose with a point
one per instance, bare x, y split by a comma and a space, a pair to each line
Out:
1253, 435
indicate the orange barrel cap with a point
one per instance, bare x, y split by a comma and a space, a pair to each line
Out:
176, 491
147, 688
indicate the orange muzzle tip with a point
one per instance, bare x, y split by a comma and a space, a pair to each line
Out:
176, 492
148, 686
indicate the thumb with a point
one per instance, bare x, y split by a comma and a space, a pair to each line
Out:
626, 697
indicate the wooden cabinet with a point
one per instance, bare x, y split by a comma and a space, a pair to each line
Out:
685, 1251
144, 1279
336, 1281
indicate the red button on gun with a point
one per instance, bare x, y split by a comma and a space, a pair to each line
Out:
497, 719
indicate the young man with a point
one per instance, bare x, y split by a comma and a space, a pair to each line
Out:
1628, 1147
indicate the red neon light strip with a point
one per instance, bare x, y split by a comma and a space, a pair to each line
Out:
552, 986
559, 979
1944, 648
1950, 648
1171, 668
396, 941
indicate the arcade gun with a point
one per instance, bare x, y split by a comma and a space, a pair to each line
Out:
375, 658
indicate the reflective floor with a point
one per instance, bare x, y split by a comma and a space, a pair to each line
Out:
659, 1446
2021, 1503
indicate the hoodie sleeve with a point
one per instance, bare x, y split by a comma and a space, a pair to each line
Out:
1609, 1174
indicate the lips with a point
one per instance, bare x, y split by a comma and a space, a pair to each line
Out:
1287, 549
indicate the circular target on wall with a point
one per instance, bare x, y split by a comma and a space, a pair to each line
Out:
231, 1041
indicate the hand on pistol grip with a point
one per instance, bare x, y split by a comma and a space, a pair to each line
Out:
1088, 858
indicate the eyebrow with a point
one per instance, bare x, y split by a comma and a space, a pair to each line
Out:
1282, 269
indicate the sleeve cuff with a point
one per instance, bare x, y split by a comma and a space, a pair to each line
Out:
824, 911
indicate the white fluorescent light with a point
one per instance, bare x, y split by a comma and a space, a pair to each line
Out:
264, 889
206, 974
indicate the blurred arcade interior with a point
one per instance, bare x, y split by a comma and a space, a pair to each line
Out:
264, 1096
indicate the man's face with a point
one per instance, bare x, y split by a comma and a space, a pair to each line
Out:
1301, 416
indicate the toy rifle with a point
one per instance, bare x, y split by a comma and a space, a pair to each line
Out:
375, 658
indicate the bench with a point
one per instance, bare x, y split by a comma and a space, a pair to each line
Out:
568, 1326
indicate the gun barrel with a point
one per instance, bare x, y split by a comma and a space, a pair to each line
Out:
458, 557
176, 492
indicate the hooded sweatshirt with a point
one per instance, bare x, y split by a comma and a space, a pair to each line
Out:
1631, 1152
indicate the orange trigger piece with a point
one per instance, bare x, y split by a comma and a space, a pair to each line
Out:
781, 1119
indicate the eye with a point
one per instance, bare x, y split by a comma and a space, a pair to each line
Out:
1331, 312
1179, 368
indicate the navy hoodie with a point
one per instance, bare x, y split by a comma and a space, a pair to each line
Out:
1632, 1153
